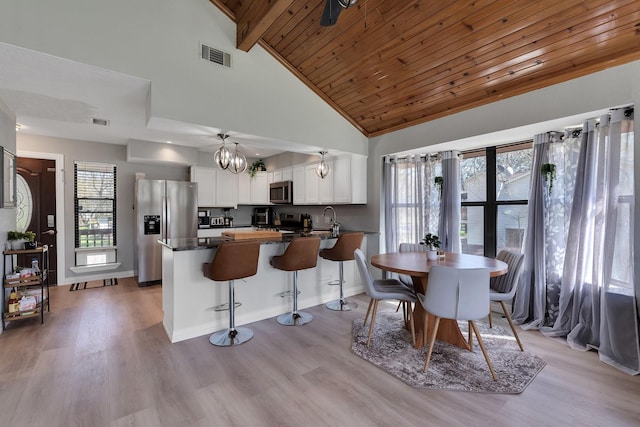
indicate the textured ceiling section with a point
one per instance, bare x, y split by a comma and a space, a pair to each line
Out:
387, 65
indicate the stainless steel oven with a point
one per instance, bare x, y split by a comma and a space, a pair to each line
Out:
281, 192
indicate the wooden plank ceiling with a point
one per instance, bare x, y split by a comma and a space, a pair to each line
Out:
389, 64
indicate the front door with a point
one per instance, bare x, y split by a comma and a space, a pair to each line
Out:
36, 200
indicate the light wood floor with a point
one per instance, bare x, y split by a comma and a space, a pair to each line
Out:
102, 359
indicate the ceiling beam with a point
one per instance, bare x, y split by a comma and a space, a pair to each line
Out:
254, 19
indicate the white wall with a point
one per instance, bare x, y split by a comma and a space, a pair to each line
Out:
8, 141
73, 150
159, 40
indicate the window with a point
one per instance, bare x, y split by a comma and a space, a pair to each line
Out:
622, 268
412, 199
95, 212
495, 189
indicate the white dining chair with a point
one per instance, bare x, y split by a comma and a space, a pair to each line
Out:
382, 289
410, 247
460, 294
405, 279
503, 288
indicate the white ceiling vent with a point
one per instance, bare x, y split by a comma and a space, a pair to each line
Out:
214, 55
99, 122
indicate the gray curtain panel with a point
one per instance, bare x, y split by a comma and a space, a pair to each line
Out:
450, 212
597, 297
529, 304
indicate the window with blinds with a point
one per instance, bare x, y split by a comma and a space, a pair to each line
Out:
95, 205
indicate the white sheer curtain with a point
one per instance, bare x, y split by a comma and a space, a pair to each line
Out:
412, 200
449, 229
597, 307
550, 204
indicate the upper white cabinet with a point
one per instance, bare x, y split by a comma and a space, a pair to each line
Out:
206, 179
350, 179
216, 188
287, 174
311, 194
253, 191
346, 183
279, 175
244, 189
298, 175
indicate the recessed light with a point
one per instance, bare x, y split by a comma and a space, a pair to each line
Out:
168, 142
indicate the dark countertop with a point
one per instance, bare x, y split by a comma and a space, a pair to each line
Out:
189, 244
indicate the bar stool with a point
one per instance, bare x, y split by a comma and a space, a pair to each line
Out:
342, 251
302, 253
233, 261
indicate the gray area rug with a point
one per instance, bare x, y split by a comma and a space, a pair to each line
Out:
450, 368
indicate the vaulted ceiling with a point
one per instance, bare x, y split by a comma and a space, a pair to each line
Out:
390, 64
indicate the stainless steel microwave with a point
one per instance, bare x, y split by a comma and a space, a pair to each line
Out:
281, 192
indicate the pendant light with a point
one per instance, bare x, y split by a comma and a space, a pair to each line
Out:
323, 169
238, 163
222, 157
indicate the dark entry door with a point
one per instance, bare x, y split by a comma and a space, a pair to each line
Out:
36, 199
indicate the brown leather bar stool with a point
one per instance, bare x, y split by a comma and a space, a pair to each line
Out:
302, 253
233, 261
342, 251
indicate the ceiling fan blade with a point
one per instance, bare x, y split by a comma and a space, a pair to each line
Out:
330, 14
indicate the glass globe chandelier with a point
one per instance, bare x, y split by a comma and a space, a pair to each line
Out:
222, 157
238, 163
323, 168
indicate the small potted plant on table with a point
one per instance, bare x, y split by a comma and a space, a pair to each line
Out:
21, 240
432, 242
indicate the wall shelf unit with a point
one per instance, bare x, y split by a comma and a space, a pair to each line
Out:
39, 282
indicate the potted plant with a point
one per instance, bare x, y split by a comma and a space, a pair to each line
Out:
30, 240
439, 181
257, 166
20, 240
548, 171
432, 242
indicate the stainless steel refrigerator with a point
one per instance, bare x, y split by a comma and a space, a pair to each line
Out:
164, 210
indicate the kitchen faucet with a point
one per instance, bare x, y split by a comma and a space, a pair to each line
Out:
335, 226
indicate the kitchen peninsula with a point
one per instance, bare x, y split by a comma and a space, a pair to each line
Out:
189, 298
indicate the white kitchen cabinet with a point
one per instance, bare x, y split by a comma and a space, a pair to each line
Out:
326, 185
346, 183
226, 189
253, 191
287, 174
276, 176
216, 188
298, 177
350, 179
260, 189
311, 193
244, 189
206, 179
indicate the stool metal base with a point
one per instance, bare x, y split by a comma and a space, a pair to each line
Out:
294, 319
231, 337
341, 305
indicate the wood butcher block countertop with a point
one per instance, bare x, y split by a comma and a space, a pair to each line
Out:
257, 234
273, 237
